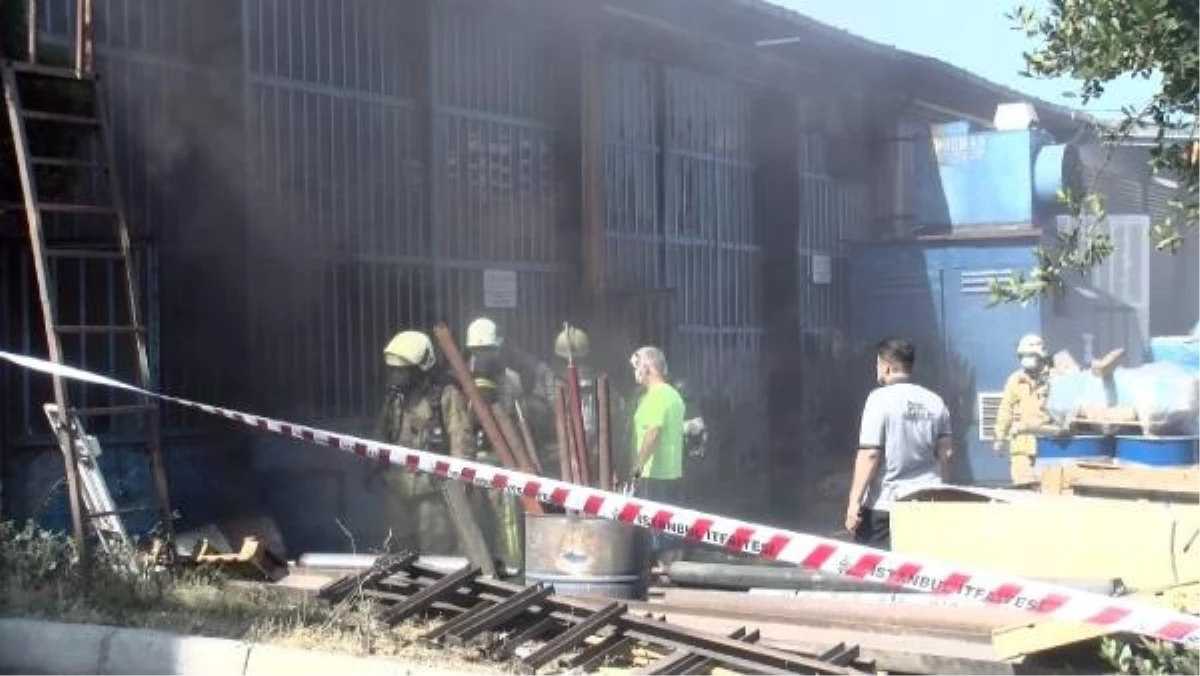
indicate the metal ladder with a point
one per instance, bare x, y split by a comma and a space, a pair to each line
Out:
107, 239
106, 518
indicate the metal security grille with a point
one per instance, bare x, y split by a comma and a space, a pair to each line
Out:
157, 64
712, 256
832, 206
338, 241
680, 215
632, 109
497, 196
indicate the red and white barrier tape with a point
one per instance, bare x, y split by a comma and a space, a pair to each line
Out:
809, 551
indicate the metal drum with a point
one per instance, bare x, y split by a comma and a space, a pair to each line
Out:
1157, 451
584, 556
1066, 450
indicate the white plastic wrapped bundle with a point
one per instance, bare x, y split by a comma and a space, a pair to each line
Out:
1165, 396
1070, 392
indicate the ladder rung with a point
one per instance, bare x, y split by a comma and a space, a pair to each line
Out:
67, 162
49, 71
100, 329
61, 118
92, 411
60, 208
108, 254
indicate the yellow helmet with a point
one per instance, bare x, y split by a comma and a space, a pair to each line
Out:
575, 339
482, 333
1031, 344
410, 348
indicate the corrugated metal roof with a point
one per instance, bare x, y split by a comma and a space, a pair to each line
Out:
909, 60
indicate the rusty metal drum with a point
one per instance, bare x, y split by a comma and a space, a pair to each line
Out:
584, 556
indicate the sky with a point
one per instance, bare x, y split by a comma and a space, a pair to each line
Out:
956, 31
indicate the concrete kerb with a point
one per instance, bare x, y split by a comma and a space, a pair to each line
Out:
39, 646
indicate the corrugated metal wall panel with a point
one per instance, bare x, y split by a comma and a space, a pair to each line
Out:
498, 192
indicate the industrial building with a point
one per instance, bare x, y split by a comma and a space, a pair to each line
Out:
716, 177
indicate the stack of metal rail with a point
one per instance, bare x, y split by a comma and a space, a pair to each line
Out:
533, 625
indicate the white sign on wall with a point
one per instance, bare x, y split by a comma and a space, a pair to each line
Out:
500, 289
822, 269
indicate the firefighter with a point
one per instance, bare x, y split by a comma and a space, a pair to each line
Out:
544, 380
1023, 409
424, 411
500, 387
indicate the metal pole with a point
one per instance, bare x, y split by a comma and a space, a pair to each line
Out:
32, 5
83, 36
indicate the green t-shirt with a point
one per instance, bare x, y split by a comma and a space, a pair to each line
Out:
660, 406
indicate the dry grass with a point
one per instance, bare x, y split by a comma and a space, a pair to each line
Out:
40, 577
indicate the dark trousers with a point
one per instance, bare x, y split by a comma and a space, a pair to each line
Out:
666, 491
874, 529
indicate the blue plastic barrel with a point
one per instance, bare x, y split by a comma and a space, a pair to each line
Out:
1063, 450
1158, 451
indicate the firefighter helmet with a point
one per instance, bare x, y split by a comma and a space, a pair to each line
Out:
410, 348
571, 341
1031, 345
482, 333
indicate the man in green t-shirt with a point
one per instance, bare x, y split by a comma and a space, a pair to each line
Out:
657, 465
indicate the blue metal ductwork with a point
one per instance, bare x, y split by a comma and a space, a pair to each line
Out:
997, 178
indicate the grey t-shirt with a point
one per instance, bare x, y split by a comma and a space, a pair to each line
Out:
905, 421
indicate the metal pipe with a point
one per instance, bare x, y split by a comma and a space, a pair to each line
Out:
572, 447
576, 413
83, 36
527, 436
32, 6
482, 411
604, 433
509, 430
340, 561
560, 431
577, 457
735, 576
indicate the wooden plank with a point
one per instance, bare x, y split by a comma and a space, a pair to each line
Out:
1142, 543
470, 535
837, 612
1028, 638
1116, 479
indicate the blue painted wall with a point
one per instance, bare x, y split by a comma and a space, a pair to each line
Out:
207, 475
937, 294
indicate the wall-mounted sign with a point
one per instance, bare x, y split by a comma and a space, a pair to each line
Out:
959, 148
822, 269
500, 289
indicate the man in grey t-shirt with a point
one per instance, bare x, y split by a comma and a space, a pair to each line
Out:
905, 426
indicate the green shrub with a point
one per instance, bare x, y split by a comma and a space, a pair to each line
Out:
1145, 656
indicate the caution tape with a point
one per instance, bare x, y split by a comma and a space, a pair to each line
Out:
808, 551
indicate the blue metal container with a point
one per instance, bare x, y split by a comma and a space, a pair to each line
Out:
1061, 450
1158, 451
